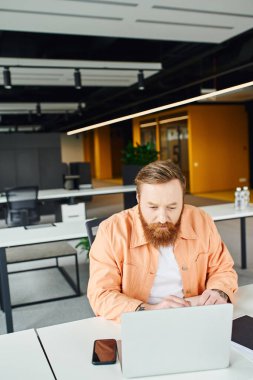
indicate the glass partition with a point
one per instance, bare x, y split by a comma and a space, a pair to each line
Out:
174, 143
148, 131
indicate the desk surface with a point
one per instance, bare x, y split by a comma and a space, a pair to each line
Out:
21, 357
85, 190
243, 301
227, 211
15, 236
69, 349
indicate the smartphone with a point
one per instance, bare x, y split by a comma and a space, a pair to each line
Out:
104, 351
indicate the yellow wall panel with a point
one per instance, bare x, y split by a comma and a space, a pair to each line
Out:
102, 153
88, 148
218, 146
136, 132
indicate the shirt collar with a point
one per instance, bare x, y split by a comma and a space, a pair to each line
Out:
138, 237
186, 230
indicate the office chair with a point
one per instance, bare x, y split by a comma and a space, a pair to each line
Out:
22, 206
91, 228
22, 211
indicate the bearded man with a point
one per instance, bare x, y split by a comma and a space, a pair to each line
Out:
159, 252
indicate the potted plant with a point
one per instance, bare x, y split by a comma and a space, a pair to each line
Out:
84, 245
134, 157
139, 154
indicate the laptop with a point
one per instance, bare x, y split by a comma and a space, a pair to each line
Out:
177, 340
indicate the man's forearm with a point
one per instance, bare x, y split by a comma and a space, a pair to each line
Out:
111, 304
222, 294
166, 303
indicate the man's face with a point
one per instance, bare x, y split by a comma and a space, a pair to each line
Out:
160, 208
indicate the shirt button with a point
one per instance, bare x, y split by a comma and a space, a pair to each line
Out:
184, 267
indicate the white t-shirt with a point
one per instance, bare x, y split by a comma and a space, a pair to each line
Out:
168, 281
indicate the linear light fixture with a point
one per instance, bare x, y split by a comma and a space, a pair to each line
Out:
20, 128
145, 125
164, 121
45, 108
161, 108
172, 119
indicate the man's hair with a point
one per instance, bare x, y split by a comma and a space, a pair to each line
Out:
159, 172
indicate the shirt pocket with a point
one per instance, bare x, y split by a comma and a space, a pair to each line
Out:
131, 280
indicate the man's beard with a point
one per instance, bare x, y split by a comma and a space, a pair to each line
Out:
160, 234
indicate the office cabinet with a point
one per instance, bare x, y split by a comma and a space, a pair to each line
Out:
73, 212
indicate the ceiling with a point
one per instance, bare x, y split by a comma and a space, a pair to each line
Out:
182, 46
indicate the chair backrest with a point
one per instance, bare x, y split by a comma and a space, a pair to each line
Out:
22, 205
91, 228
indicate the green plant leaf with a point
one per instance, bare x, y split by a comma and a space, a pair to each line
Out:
84, 244
139, 154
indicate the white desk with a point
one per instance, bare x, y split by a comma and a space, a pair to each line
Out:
69, 349
16, 236
22, 357
227, 211
62, 193
83, 192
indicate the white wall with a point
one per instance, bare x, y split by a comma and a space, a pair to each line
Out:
71, 148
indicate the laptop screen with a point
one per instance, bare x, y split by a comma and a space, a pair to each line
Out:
176, 340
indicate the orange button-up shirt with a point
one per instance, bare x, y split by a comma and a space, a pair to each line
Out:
123, 264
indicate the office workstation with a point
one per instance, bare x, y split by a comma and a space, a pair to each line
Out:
155, 81
65, 350
72, 202
84, 191
72, 344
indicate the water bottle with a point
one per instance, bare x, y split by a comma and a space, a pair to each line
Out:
238, 198
246, 196
243, 200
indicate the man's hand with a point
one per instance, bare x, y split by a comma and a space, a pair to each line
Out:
167, 303
211, 297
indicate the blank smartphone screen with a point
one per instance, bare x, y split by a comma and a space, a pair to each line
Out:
104, 351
